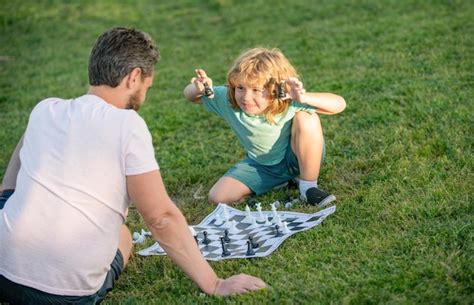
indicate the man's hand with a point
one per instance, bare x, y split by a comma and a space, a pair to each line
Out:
238, 284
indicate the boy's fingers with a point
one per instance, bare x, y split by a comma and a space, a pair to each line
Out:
201, 73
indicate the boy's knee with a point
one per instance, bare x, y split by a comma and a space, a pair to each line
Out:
213, 197
305, 121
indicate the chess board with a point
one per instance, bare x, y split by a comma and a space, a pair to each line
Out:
263, 235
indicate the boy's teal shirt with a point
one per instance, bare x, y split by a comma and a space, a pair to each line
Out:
264, 142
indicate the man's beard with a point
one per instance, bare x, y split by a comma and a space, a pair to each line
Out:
133, 102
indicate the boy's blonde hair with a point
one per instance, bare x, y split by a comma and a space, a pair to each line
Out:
262, 67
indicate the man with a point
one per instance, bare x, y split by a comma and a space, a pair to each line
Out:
70, 180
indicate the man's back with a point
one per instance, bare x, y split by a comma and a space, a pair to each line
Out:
71, 188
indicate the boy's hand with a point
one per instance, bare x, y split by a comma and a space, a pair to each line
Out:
201, 81
297, 90
238, 284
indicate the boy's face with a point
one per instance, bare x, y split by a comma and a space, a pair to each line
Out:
252, 99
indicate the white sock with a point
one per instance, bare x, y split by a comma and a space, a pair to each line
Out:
305, 185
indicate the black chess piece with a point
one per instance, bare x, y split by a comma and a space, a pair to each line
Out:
207, 90
196, 239
249, 249
225, 252
226, 236
205, 240
254, 245
278, 233
281, 90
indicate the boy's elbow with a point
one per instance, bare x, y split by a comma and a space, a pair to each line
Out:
341, 105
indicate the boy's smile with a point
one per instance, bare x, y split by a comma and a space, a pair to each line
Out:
253, 100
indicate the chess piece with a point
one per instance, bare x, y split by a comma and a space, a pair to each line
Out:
248, 216
285, 229
225, 252
226, 236
225, 212
249, 249
233, 227
278, 233
267, 222
138, 238
205, 240
146, 233
281, 90
218, 220
260, 217
207, 90
254, 245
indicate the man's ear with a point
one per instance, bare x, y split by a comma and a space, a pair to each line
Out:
134, 78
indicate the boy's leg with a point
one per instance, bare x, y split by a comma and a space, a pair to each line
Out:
228, 190
307, 142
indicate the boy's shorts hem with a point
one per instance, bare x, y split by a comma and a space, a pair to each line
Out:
261, 178
14, 293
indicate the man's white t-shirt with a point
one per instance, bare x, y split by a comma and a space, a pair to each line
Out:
59, 230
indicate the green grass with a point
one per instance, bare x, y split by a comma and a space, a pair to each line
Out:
399, 158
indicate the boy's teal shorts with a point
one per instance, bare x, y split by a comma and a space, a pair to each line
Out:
262, 178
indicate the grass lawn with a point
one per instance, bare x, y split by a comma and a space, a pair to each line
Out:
399, 158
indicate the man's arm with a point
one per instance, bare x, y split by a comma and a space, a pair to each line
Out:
9, 179
169, 228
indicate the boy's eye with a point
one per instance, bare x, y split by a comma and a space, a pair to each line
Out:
240, 88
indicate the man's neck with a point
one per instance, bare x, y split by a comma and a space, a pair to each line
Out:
113, 96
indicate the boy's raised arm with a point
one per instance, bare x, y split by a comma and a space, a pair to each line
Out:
196, 88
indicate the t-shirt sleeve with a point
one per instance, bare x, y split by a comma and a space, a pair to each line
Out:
302, 107
138, 147
219, 103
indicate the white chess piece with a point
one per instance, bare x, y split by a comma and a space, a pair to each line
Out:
267, 222
272, 205
146, 233
285, 229
277, 220
225, 213
138, 238
275, 216
219, 220
233, 227
248, 217
260, 217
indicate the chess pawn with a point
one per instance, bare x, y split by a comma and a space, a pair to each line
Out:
138, 238
146, 233
233, 227
285, 229
219, 220
267, 222
260, 217
248, 216
225, 212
